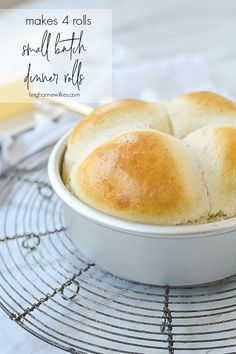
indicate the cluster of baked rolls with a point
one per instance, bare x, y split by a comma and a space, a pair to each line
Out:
166, 163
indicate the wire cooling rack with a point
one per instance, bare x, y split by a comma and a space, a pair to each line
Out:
50, 290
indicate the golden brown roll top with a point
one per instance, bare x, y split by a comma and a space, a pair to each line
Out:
107, 121
145, 176
197, 109
123, 160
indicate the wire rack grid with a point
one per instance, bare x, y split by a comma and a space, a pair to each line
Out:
48, 288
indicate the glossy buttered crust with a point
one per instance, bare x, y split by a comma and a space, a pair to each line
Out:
124, 160
107, 121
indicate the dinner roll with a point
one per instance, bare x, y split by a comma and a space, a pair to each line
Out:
144, 176
107, 121
196, 109
215, 149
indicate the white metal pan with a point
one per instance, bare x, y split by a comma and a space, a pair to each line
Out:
161, 255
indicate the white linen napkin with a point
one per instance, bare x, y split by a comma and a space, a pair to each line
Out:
44, 133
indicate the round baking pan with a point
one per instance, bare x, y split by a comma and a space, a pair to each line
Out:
161, 255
